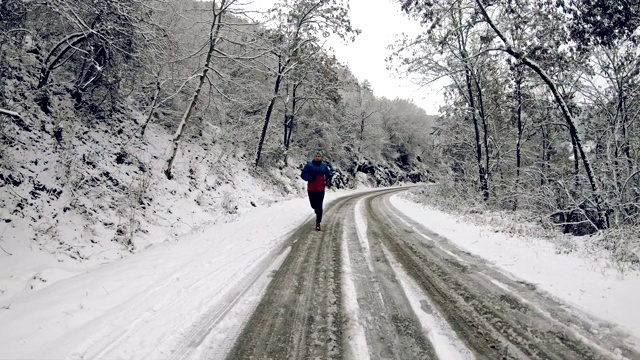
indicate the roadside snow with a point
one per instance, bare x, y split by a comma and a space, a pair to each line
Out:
579, 281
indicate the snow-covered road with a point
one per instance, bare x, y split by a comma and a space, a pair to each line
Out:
378, 285
191, 298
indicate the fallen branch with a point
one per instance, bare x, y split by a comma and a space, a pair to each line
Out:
19, 119
11, 113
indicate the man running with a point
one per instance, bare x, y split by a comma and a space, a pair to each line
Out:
316, 172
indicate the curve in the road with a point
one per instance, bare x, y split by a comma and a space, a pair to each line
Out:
376, 285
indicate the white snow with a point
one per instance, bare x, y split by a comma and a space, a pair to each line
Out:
445, 341
194, 286
582, 282
361, 229
356, 337
143, 304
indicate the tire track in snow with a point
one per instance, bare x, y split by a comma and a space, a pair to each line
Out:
499, 320
605, 352
373, 285
355, 334
584, 329
392, 328
380, 317
299, 316
445, 341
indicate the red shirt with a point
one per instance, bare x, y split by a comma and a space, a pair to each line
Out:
316, 184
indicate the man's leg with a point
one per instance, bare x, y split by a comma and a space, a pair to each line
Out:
315, 198
311, 199
318, 197
313, 202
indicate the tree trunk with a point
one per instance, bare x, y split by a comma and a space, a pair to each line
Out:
18, 119
626, 145
71, 41
215, 31
154, 102
544, 157
289, 121
288, 129
362, 119
481, 171
267, 116
622, 106
518, 84
485, 139
576, 163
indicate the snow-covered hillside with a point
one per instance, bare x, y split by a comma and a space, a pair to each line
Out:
90, 195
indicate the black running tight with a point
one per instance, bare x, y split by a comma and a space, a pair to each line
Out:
315, 199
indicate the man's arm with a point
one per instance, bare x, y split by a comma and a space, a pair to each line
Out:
328, 171
307, 173
328, 176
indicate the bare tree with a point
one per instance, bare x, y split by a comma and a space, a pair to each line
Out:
314, 80
454, 51
300, 27
99, 30
568, 116
553, 43
218, 12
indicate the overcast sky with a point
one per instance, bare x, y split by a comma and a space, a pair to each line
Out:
380, 21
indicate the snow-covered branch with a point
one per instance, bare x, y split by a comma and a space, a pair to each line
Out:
13, 114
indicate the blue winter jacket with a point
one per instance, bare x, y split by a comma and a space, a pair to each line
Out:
316, 173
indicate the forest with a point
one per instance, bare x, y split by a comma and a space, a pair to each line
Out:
108, 106
542, 107
541, 112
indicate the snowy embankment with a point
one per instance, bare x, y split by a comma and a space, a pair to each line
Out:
580, 280
98, 197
